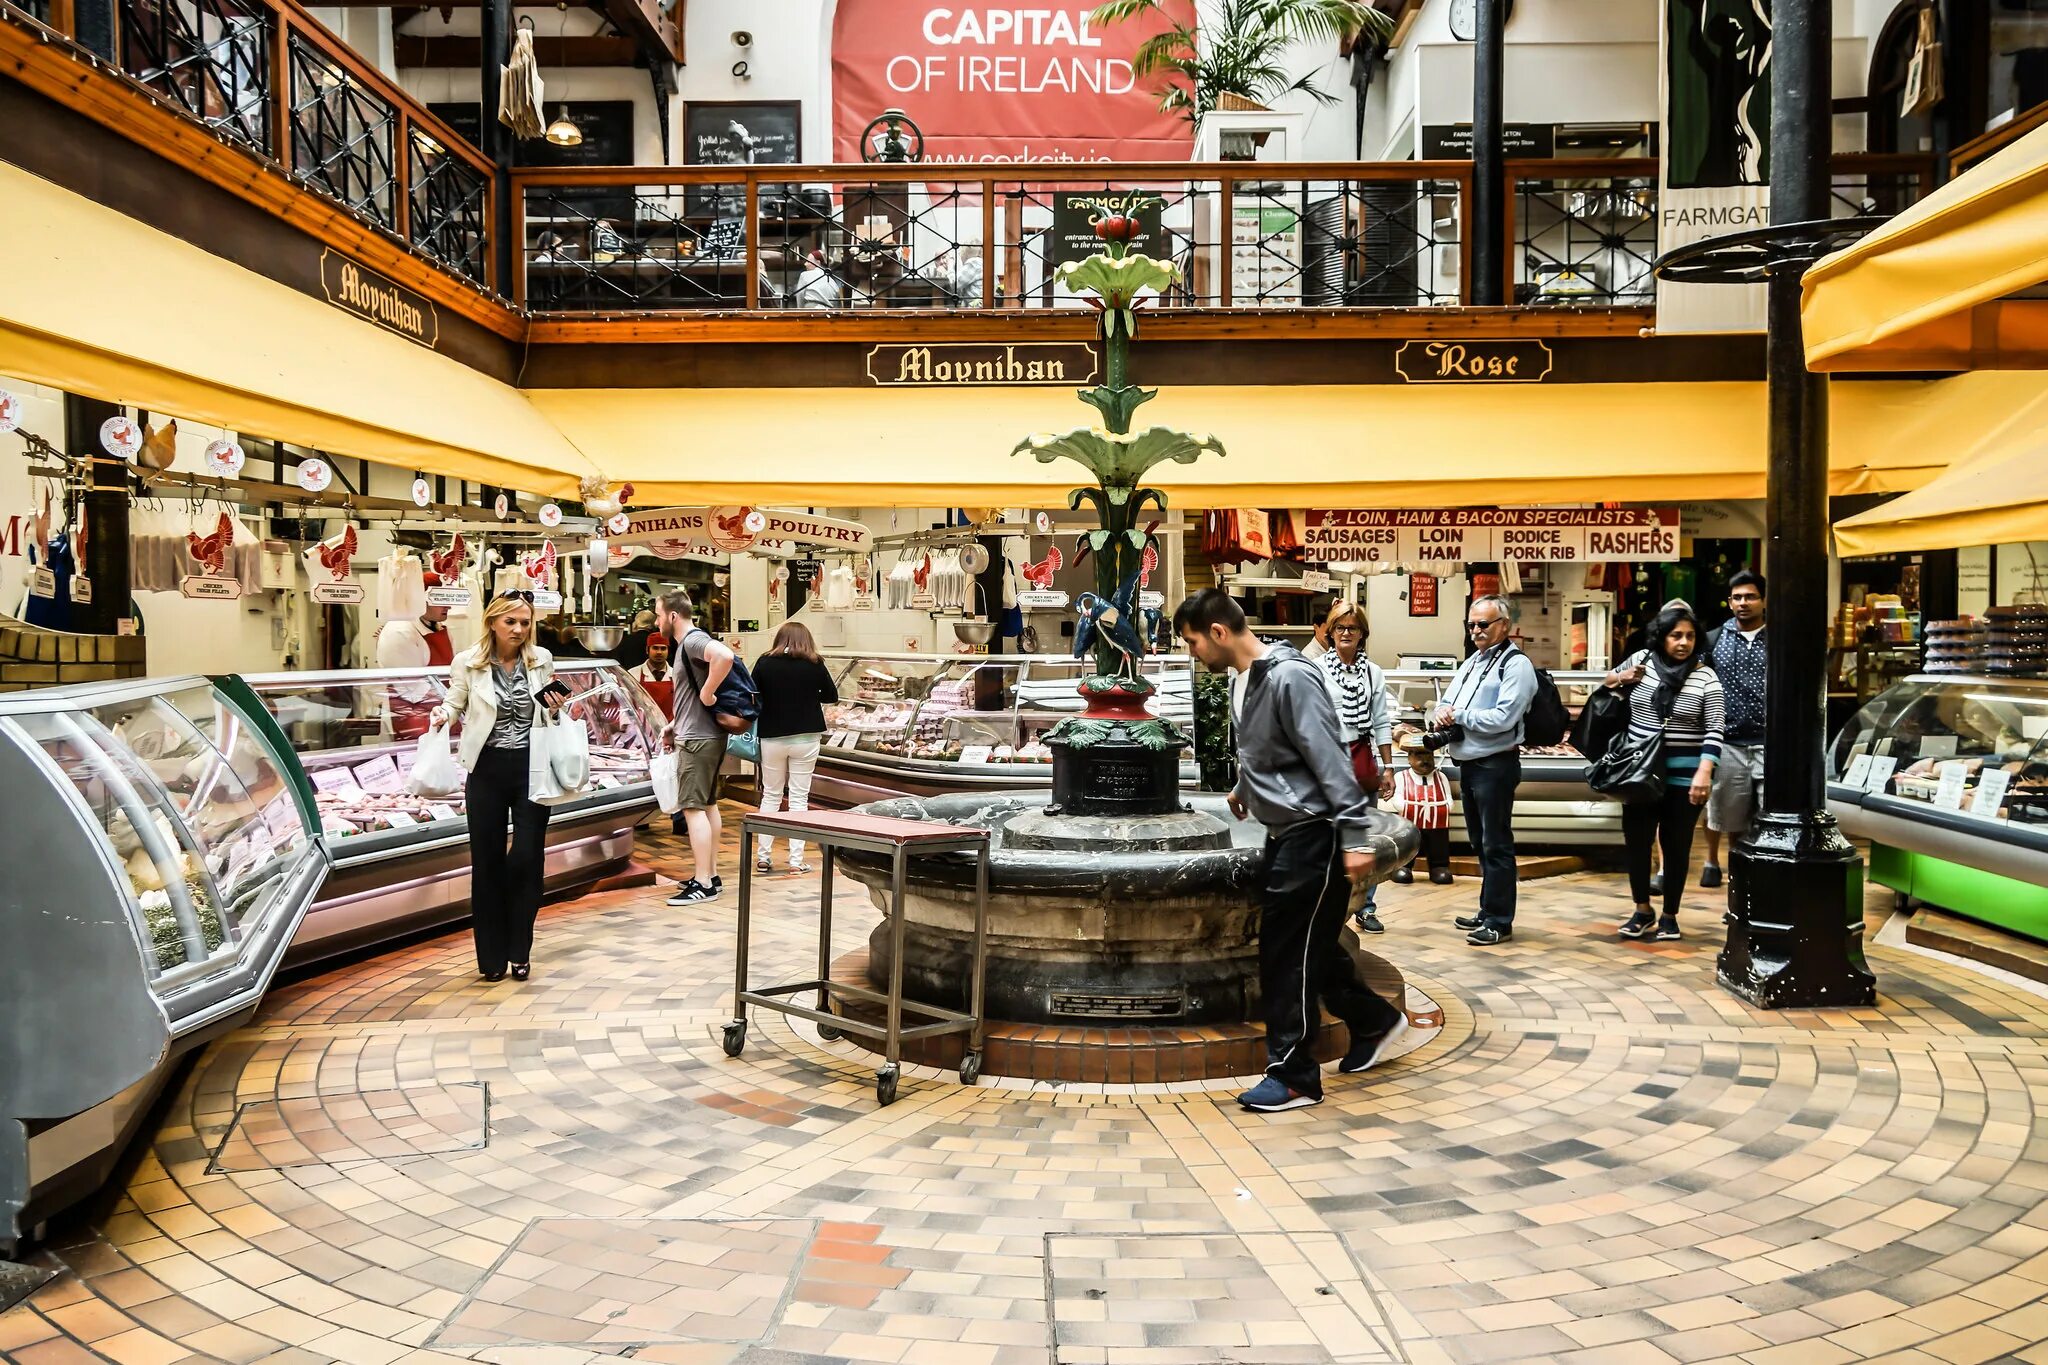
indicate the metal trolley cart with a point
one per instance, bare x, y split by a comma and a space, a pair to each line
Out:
900, 839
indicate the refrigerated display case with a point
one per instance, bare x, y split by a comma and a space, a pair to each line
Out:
927, 724
401, 862
1947, 776
161, 851
1554, 807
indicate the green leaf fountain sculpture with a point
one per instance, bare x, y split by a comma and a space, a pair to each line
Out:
1113, 281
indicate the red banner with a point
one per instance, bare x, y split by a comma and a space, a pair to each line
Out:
1026, 84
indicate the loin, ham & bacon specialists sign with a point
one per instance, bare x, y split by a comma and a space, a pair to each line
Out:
995, 83
1466, 535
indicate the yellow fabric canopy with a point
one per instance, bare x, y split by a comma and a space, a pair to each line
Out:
1289, 446
1930, 290
1994, 494
96, 303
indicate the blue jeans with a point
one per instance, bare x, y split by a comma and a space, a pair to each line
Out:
1486, 789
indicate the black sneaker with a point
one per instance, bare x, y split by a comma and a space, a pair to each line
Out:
1485, 936
1639, 925
1710, 875
693, 892
1469, 922
1369, 923
1273, 1096
1367, 1048
1667, 930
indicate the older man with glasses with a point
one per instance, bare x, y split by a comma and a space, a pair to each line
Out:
1478, 722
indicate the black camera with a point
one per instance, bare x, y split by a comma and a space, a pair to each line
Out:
1433, 740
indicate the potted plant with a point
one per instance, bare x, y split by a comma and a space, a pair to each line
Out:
1237, 60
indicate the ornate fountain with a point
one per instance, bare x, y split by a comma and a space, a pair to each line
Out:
1122, 909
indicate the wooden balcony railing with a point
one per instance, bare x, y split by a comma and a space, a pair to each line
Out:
267, 79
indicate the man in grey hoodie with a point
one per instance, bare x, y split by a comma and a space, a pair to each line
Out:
1295, 778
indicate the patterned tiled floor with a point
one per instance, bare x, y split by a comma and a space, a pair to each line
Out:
1601, 1156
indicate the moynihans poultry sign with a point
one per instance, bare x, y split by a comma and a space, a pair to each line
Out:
370, 296
982, 364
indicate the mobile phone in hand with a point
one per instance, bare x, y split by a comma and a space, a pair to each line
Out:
554, 691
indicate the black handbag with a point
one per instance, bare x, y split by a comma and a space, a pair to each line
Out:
1601, 721
1632, 768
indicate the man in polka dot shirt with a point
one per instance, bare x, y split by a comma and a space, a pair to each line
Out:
1736, 651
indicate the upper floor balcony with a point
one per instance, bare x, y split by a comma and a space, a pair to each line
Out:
259, 98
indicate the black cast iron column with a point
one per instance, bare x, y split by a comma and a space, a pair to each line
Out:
1795, 902
493, 51
106, 516
1489, 176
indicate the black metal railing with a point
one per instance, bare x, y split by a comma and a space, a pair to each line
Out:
344, 135
209, 58
450, 206
1584, 234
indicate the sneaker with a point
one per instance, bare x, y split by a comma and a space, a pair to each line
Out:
1667, 930
717, 883
1485, 936
1441, 876
1469, 922
1657, 883
1710, 875
1273, 1096
1639, 925
1368, 1048
1369, 923
692, 892
1403, 876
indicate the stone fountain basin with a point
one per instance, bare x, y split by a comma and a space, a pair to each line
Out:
1091, 918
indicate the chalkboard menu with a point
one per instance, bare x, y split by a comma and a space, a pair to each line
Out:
738, 133
607, 127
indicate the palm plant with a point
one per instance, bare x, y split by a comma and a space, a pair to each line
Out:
1240, 48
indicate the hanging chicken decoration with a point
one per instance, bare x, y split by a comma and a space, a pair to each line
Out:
159, 447
211, 551
1147, 565
1039, 575
540, 568
338, 554
922, 574
598, 498
449, 563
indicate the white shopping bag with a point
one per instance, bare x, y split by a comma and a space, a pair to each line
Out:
569, 753
434, 770
666, 772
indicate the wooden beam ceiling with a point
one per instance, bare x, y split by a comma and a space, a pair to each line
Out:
464, 53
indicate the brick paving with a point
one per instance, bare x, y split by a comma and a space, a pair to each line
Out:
1599, 1156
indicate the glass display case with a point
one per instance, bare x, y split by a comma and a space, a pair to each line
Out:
925, 724
1947, 777
163, 853
401, 861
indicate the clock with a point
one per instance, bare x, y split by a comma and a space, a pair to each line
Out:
1465, 18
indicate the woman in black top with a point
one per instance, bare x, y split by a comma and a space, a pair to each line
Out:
795, 688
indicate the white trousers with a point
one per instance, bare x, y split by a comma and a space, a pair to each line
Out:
786, 765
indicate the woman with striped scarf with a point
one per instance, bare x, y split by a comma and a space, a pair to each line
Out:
1359, 688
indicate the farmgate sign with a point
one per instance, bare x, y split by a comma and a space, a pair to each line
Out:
1440, 537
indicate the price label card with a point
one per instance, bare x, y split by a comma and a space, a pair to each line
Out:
42, 583
441, 810
379, 775
1955, 779
447, 597
546, 599
1316, 580
1881, 770
1938, 746
976, 753
605, 780
1990, 797
1859, 772
398, 819
332, 780
81, 588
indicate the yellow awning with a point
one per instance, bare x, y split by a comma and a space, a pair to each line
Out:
96, 303
1931, 289
1289, 446
1995, 493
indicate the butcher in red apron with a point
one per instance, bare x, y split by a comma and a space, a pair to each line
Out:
421, 643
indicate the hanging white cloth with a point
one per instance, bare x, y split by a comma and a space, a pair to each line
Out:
401, 586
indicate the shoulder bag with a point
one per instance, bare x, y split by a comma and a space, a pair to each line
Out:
1632, 770
739, 700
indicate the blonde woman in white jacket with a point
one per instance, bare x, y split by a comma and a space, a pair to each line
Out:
494, 688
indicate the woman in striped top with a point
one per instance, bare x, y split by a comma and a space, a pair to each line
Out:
1359, 689
1673, 690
